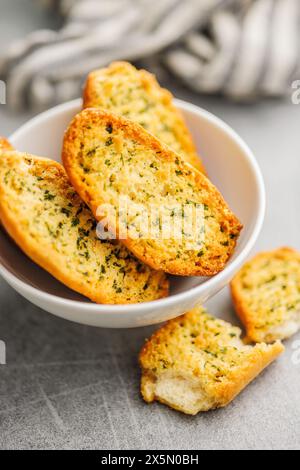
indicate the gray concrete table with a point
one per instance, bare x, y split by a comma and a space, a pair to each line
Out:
71, 386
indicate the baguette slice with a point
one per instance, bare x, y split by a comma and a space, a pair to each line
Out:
197, 363
42, 213
4, 144
109, 159
136, 95
266, 295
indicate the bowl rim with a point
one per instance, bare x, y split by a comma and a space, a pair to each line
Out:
211, 284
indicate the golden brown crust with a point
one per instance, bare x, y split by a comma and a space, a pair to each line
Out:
73, 254
197, 362
136, 95
266, 297
86, 135
4, 146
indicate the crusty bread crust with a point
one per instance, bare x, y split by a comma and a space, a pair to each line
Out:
90, 176
269, 277
136, 95
4, 146
102, 271
197, 363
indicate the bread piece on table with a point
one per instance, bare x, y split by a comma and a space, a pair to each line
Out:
198, 362
109, 159
136, 95
4, 144
43, 214
266, 295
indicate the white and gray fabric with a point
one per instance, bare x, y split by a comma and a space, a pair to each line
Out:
244, 49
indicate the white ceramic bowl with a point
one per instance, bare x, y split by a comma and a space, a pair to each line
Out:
230, 165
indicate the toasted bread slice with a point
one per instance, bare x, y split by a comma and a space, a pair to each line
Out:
4, 144
266, 295
197, 363
109, 159
46, 218
136, 95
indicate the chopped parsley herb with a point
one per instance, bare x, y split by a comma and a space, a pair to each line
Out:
65, 211
153, 165
83, 233
48, 196
79, 240
211, 353
109, 128
140, 268
91, 152
108, 258
273, 278
109, 142
116, 287
75, 222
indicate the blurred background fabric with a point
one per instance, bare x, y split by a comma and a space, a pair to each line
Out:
244, 49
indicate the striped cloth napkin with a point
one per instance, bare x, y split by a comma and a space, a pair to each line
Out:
244, 49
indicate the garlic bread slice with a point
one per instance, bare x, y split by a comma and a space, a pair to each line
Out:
109, 159
266, 295
136, 95
198, 363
